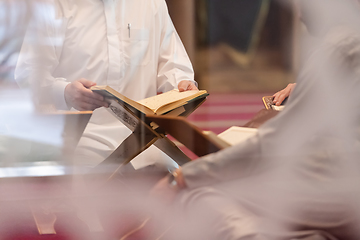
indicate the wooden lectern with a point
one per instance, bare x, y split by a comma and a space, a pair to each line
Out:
195, 139
144, 133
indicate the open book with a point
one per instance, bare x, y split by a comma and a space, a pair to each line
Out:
232, 136
160, 104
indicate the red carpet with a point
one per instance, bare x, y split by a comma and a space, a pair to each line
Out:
221, 111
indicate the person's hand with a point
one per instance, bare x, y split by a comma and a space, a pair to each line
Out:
164, 191
79, 96
186, 85
280, 96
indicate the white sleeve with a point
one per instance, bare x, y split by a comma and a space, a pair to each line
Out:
39, 56
238, 161
174, 64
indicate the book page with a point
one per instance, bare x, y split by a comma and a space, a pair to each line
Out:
235, 135
160, 100
278, 108
176, 112
219, 141
109, 93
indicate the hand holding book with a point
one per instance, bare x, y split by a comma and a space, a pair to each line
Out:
282, 95
79, 96
269, 103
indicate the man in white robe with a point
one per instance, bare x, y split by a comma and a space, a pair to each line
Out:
131, 46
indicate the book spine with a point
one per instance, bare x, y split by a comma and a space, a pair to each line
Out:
124, 114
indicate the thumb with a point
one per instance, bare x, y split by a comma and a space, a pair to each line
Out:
87, 83
183, 85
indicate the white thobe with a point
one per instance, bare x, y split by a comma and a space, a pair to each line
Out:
131, 46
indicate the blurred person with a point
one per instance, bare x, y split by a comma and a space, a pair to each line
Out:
297, 178
14, 16
281, 95
17, 131
132, 46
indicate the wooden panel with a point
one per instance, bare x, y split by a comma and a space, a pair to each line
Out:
182, 13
